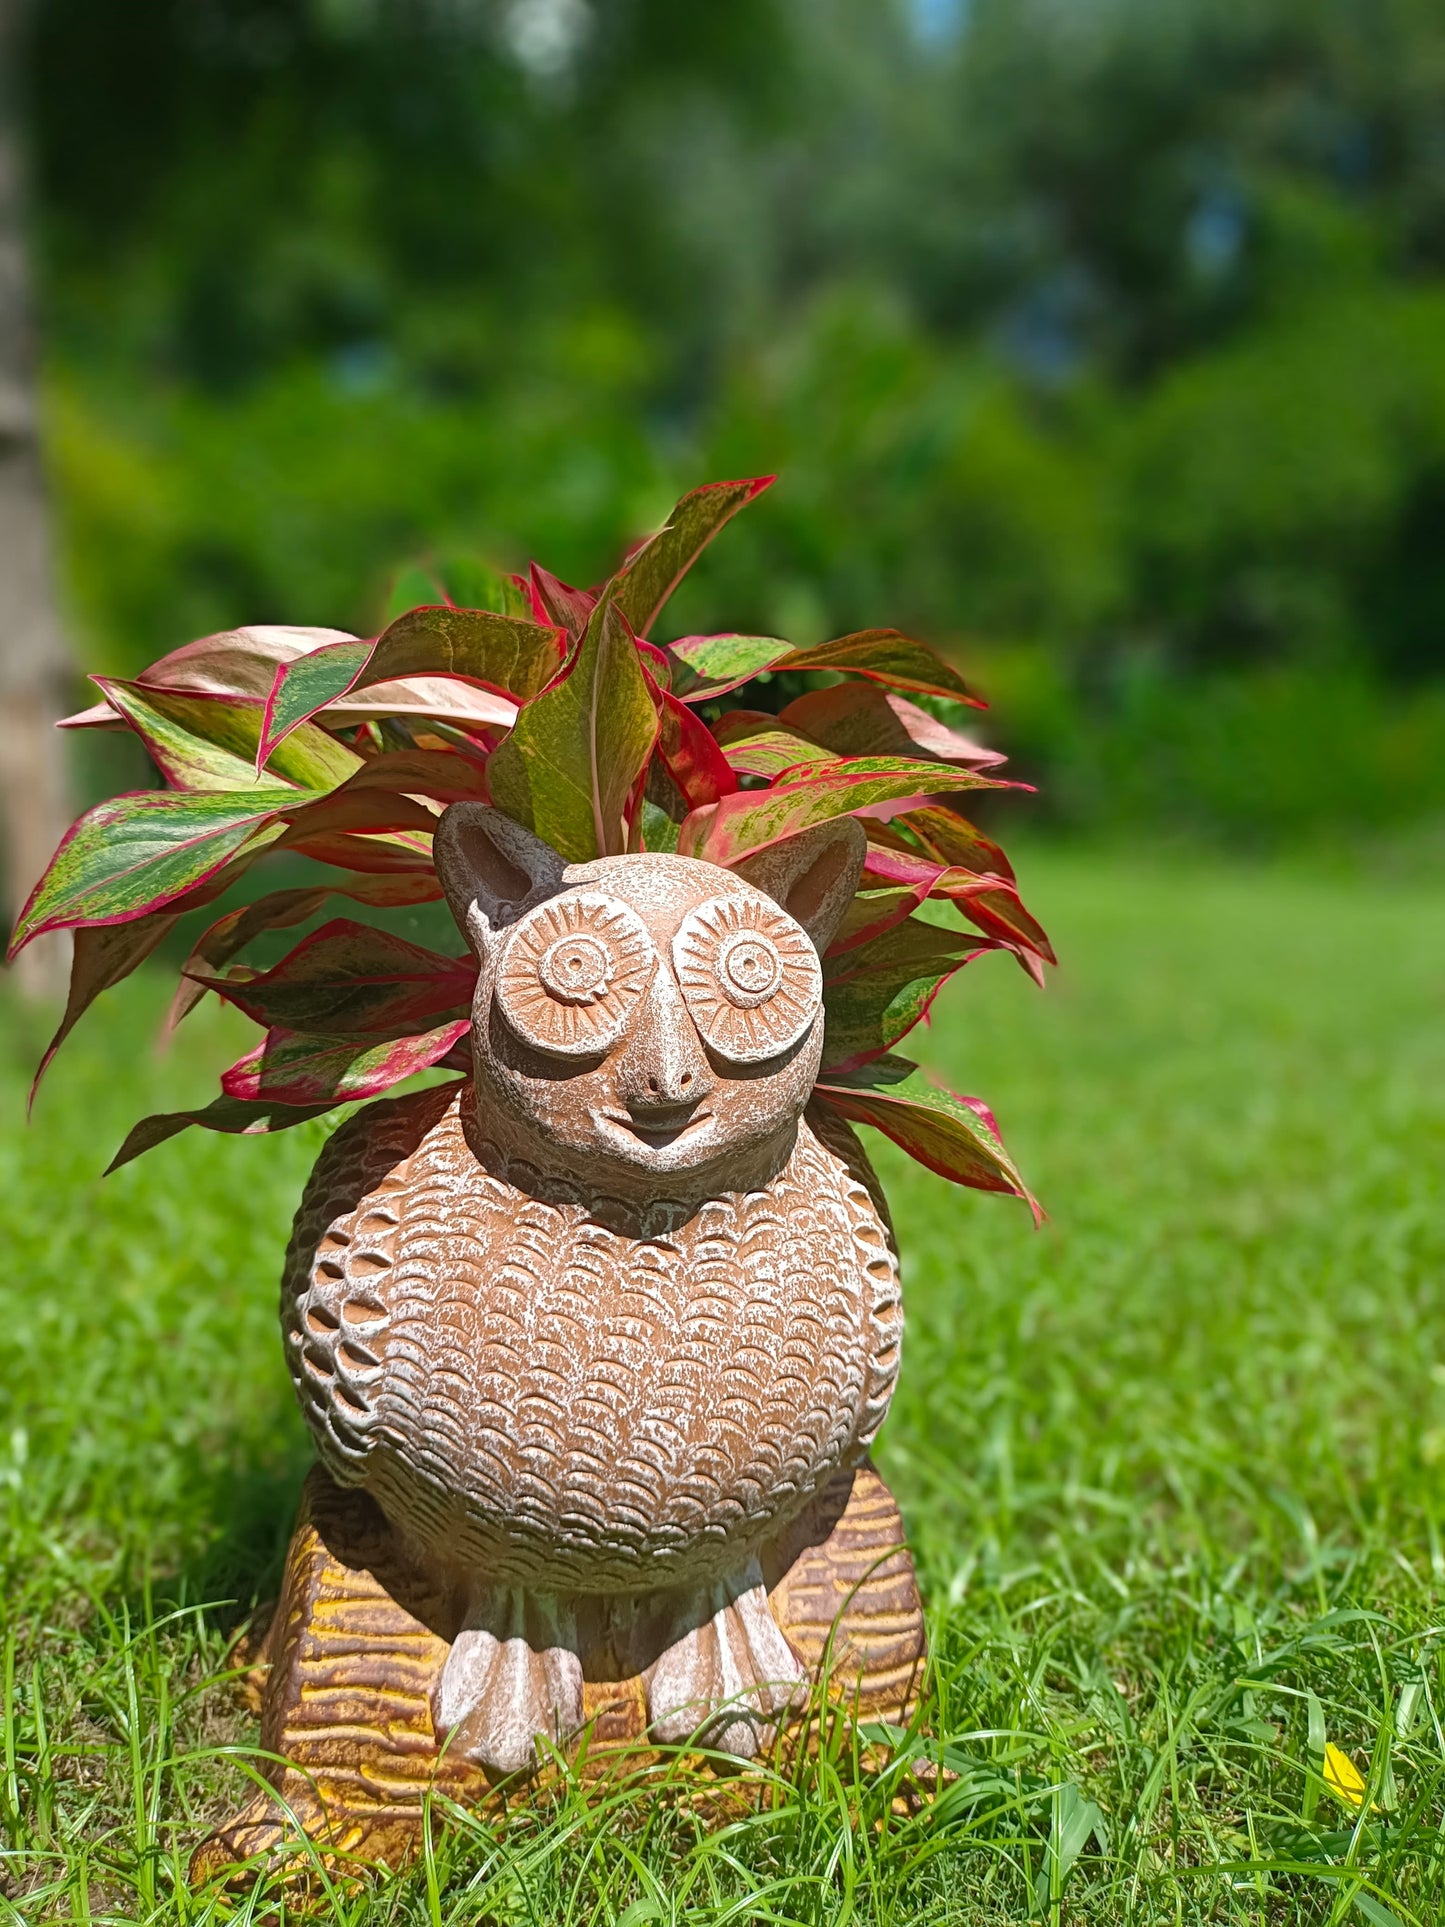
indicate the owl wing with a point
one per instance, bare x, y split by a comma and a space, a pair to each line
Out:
335, 1296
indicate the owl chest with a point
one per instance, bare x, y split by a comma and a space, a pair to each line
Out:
531, 1333
474, 1353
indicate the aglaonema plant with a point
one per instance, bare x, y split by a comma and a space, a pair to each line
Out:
556, 706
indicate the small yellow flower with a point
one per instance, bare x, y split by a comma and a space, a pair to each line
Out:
1342, 1777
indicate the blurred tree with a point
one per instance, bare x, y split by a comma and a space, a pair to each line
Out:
34, 669
1107, 329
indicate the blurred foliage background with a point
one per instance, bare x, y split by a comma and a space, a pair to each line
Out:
1102, 342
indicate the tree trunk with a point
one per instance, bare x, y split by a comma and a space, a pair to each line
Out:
34, 664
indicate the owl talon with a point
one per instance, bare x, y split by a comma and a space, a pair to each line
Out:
513, 1676
728, 1672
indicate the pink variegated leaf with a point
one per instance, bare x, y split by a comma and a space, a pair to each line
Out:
507, 655
301, 1070
654, 569
863, 719
281, 909
958, 1137
874, 993
350, 980
867, 786
557, 603
991, 902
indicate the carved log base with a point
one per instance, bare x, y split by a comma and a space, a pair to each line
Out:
354, 1658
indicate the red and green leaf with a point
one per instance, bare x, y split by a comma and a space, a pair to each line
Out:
991, 902
874, 993
137, 853
873, 911
305, 1070
100, 957
757, 744
233, 1115
572, 766
876, 786
863, 719
712, 665
645, 581
708, 666
352, 979
557, 603
505, 654
954, 841
958, 1137
886, 656
208, 742
690, 754
228, 936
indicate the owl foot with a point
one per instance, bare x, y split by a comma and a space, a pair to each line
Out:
726, 1672
294, 1837
512, 1677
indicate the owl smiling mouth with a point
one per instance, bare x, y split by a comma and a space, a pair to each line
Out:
660, 1124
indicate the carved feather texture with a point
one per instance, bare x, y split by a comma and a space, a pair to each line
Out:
530, 1392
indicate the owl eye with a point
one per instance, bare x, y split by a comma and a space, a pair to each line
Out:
750, 975
573, 972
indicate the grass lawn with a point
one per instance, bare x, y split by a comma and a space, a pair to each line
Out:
1174, 1467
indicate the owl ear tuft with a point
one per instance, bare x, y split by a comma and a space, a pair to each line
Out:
813, 876
491, 869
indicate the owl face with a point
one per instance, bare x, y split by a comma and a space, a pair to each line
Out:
641, 1018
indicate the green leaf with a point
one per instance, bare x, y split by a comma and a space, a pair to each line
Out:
1073, 1819
463, 581
506, 654
313, 1070
230, 934
711, 665
1314, 1779
100, 957
572, 762
708, 666
757, 744
469, 583
644, 583
222, 1114
862, 719
886, 656
992, 903
208, 742
353, 979
955, 1136
1375, 1912
876, 992
137, 853
414, 588
878, 786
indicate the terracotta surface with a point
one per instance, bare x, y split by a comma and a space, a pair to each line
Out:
593, 1347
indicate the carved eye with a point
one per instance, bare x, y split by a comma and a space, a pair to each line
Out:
573, 972
750, 975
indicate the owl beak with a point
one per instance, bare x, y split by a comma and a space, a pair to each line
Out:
663, 1078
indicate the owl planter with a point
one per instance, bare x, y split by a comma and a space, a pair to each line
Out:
593, 1335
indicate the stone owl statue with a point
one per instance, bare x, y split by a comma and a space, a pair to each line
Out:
593, 1345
